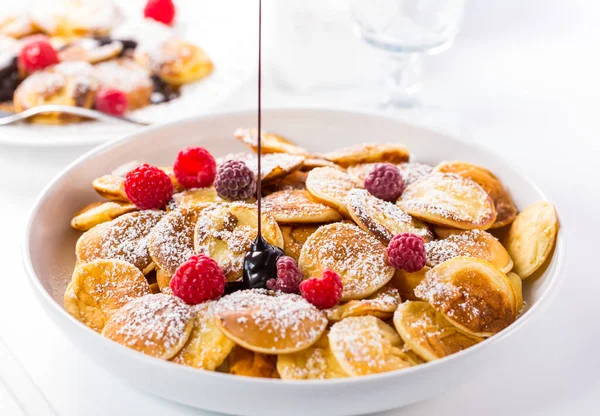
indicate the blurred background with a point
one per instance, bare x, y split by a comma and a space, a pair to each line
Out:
519, 76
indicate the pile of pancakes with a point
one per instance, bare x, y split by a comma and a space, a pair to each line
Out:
479, 248
149, 70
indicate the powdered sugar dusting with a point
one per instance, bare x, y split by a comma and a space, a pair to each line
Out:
383, 219
287, 318
468, 243
355, 255
152, 324
124, 238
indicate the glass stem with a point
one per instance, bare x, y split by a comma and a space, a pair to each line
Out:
403, 79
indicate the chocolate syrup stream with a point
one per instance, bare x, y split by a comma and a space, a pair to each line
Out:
260, 263
259, 183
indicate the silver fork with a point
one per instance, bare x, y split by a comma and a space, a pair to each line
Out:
7, 118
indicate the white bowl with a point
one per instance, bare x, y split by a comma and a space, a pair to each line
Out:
50, 256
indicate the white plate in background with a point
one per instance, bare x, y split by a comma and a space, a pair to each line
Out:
226, 29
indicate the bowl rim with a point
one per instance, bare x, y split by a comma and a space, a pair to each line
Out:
556, 278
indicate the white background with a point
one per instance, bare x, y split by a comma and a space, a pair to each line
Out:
523, 76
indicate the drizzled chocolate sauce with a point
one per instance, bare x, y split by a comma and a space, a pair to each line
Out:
260, 262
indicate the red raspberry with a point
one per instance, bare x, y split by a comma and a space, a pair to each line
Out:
235, 181
37, 54
195, 168
198, 279
385, 182
407, 251
323, 292
111, 101
289, 276
148, 187
160, 10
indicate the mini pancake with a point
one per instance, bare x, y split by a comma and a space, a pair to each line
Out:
366, 345
314, 363
126, 75
472, 294
271, 142
532, 237
449, 200
156, 325
243, 362
331, 187
124, 238
518, 286
369, 153
86, 49
100, 212
298, 207
100, 287
471, 243
176, 62
171, 242
428, 333
207, 347
358, 257
225, 232
503, 203
381, 304
381, 218
294, 237
270, 322
67, 83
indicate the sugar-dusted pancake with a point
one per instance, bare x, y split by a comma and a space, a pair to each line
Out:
381, 218
505, 207
193, 197
175, 61
449, 200
358, 257
532, 237
298, 207
381, 304
99, 212
469, 243
472, 294
207, 347
128, 76
316, 362
171, 241
270, 322
156, 325
366, 345
369, 153
16, 25
331, 187
67, 83
100, 287
124, 238
428, 333
225, 232
86, 49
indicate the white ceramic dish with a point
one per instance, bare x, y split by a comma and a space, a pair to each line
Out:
206, 23
49, 260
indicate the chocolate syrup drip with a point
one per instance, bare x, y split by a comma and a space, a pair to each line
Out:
260, 262
9, 80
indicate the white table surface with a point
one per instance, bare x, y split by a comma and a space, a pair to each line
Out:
523, 76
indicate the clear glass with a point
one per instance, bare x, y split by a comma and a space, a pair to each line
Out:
406, 30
